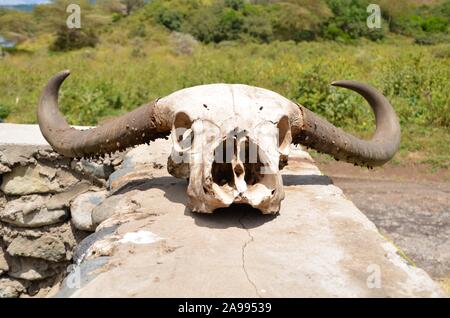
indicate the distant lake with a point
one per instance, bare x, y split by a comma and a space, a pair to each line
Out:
21, 5
5, 43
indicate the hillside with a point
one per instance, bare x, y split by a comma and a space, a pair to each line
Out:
121, 59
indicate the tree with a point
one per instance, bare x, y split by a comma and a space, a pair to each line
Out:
131, 5
72, 39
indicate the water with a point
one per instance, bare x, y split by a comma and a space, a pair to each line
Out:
5, 43
21, 5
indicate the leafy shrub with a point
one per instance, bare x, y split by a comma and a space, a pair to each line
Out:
428, 25
169, 13
420, 93
204, 25
183, 44
299, 20
171, 19
138, 30
349, 21
338, 105
431, 39
72, 39
116, 17
17, 22
89, 103
131, 5
230, 20
434, 24
4, 112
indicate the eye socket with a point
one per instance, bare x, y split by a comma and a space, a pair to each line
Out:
284, 135
183, 135
185, 138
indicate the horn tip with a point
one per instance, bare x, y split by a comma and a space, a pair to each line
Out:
340, 83
65, 73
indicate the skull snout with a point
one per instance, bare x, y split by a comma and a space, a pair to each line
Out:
242, 173
228, 163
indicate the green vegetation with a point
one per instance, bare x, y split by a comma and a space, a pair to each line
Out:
71, 39
168, 45
4, 112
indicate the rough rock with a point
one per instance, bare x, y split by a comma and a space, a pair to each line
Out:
43, 288
3, 200
36, 211
143, 155
63, 199
311, 249
114, 204
82, 249
32, 269
134, 199
36, 178
31, 211
11, 288
47, 247
140, 163
4, 267
64, 232
81, 209
123, 176
11, 155
4, 169
91, 168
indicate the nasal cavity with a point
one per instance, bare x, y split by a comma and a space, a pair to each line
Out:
238, 170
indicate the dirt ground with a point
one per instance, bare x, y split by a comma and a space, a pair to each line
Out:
410, 204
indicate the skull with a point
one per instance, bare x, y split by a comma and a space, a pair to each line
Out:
229, 140
234, 157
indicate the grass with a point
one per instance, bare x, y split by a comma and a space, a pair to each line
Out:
125, 71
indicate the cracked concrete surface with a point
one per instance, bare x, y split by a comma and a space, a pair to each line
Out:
320, 245
243, 254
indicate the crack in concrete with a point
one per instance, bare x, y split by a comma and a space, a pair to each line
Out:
251, 239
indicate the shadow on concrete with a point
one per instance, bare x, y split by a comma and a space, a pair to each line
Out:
308, 179
174, 189
236, 215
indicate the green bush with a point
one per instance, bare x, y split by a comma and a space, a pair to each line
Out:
428, 25
17, 22
434, 24
92, 101
116, 17
431, 39
72, 39
138, 30
298, 22
349, 21
204, 26
230, 20
4, 112
171, 19
338, 105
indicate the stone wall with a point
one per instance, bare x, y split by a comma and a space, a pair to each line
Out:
45, 204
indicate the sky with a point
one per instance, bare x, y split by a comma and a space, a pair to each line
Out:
17, 2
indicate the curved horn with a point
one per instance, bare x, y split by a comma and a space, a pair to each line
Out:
317, 133
139, 126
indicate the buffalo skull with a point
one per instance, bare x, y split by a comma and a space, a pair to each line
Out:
229, 140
